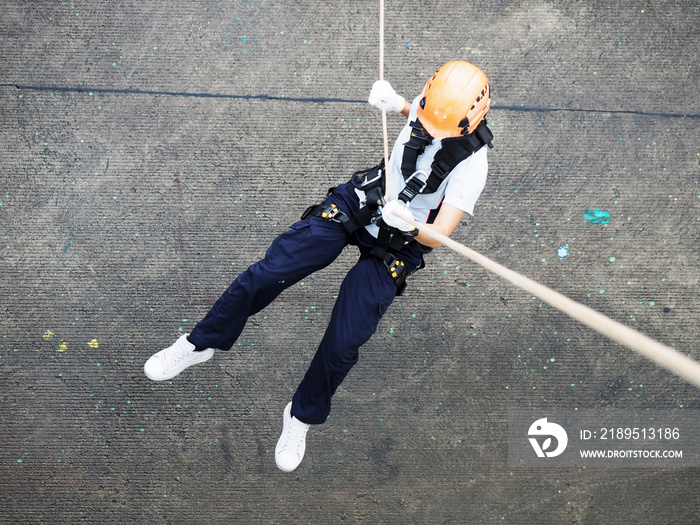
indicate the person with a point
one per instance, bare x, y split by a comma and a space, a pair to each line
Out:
437, 170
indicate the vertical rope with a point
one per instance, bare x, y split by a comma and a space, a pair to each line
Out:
381, 77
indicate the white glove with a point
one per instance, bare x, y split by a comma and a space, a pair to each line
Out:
382, 91
390, 219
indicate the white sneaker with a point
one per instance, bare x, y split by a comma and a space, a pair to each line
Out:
168, 363
292, 443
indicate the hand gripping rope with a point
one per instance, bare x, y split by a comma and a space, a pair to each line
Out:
663, 355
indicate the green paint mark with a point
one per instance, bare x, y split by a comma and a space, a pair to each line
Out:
71, 236
597, 216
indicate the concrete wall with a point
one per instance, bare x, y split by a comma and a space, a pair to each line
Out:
152, 150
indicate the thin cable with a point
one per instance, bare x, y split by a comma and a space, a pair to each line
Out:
663, 355
381, 77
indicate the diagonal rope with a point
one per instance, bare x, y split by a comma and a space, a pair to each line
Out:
661, 354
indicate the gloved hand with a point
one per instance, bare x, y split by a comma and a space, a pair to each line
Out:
390, 219
382, 90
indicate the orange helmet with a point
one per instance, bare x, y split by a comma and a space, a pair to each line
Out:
454, 100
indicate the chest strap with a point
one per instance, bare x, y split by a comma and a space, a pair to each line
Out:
452, 151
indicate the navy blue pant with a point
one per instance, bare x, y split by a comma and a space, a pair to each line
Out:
365, 294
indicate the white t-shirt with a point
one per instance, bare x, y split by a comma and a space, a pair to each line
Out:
461, 188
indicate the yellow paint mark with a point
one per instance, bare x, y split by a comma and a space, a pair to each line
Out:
48, 335
63, 346
93, 343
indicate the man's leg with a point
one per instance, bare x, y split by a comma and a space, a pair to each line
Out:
309, 245
364, 297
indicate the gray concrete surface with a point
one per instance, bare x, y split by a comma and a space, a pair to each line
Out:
151, 150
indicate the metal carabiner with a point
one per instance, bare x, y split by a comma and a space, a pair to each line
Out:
423, 181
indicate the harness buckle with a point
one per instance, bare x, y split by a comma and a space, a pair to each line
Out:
397, 271
396, 268
329, 212
412, 145
360, 179
415, 185
376, 218
378, 177
424, 181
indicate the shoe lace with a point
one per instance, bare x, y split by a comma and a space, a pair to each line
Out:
295, 434
175, 356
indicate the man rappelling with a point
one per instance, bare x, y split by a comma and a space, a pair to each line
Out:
436, 172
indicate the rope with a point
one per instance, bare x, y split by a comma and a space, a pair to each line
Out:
381, 77
663, 355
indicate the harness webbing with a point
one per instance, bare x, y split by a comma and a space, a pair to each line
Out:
452, 151
372, 182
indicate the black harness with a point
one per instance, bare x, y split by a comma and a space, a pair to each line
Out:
451, 153
373, 182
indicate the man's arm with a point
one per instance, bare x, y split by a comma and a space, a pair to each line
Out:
446, 222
